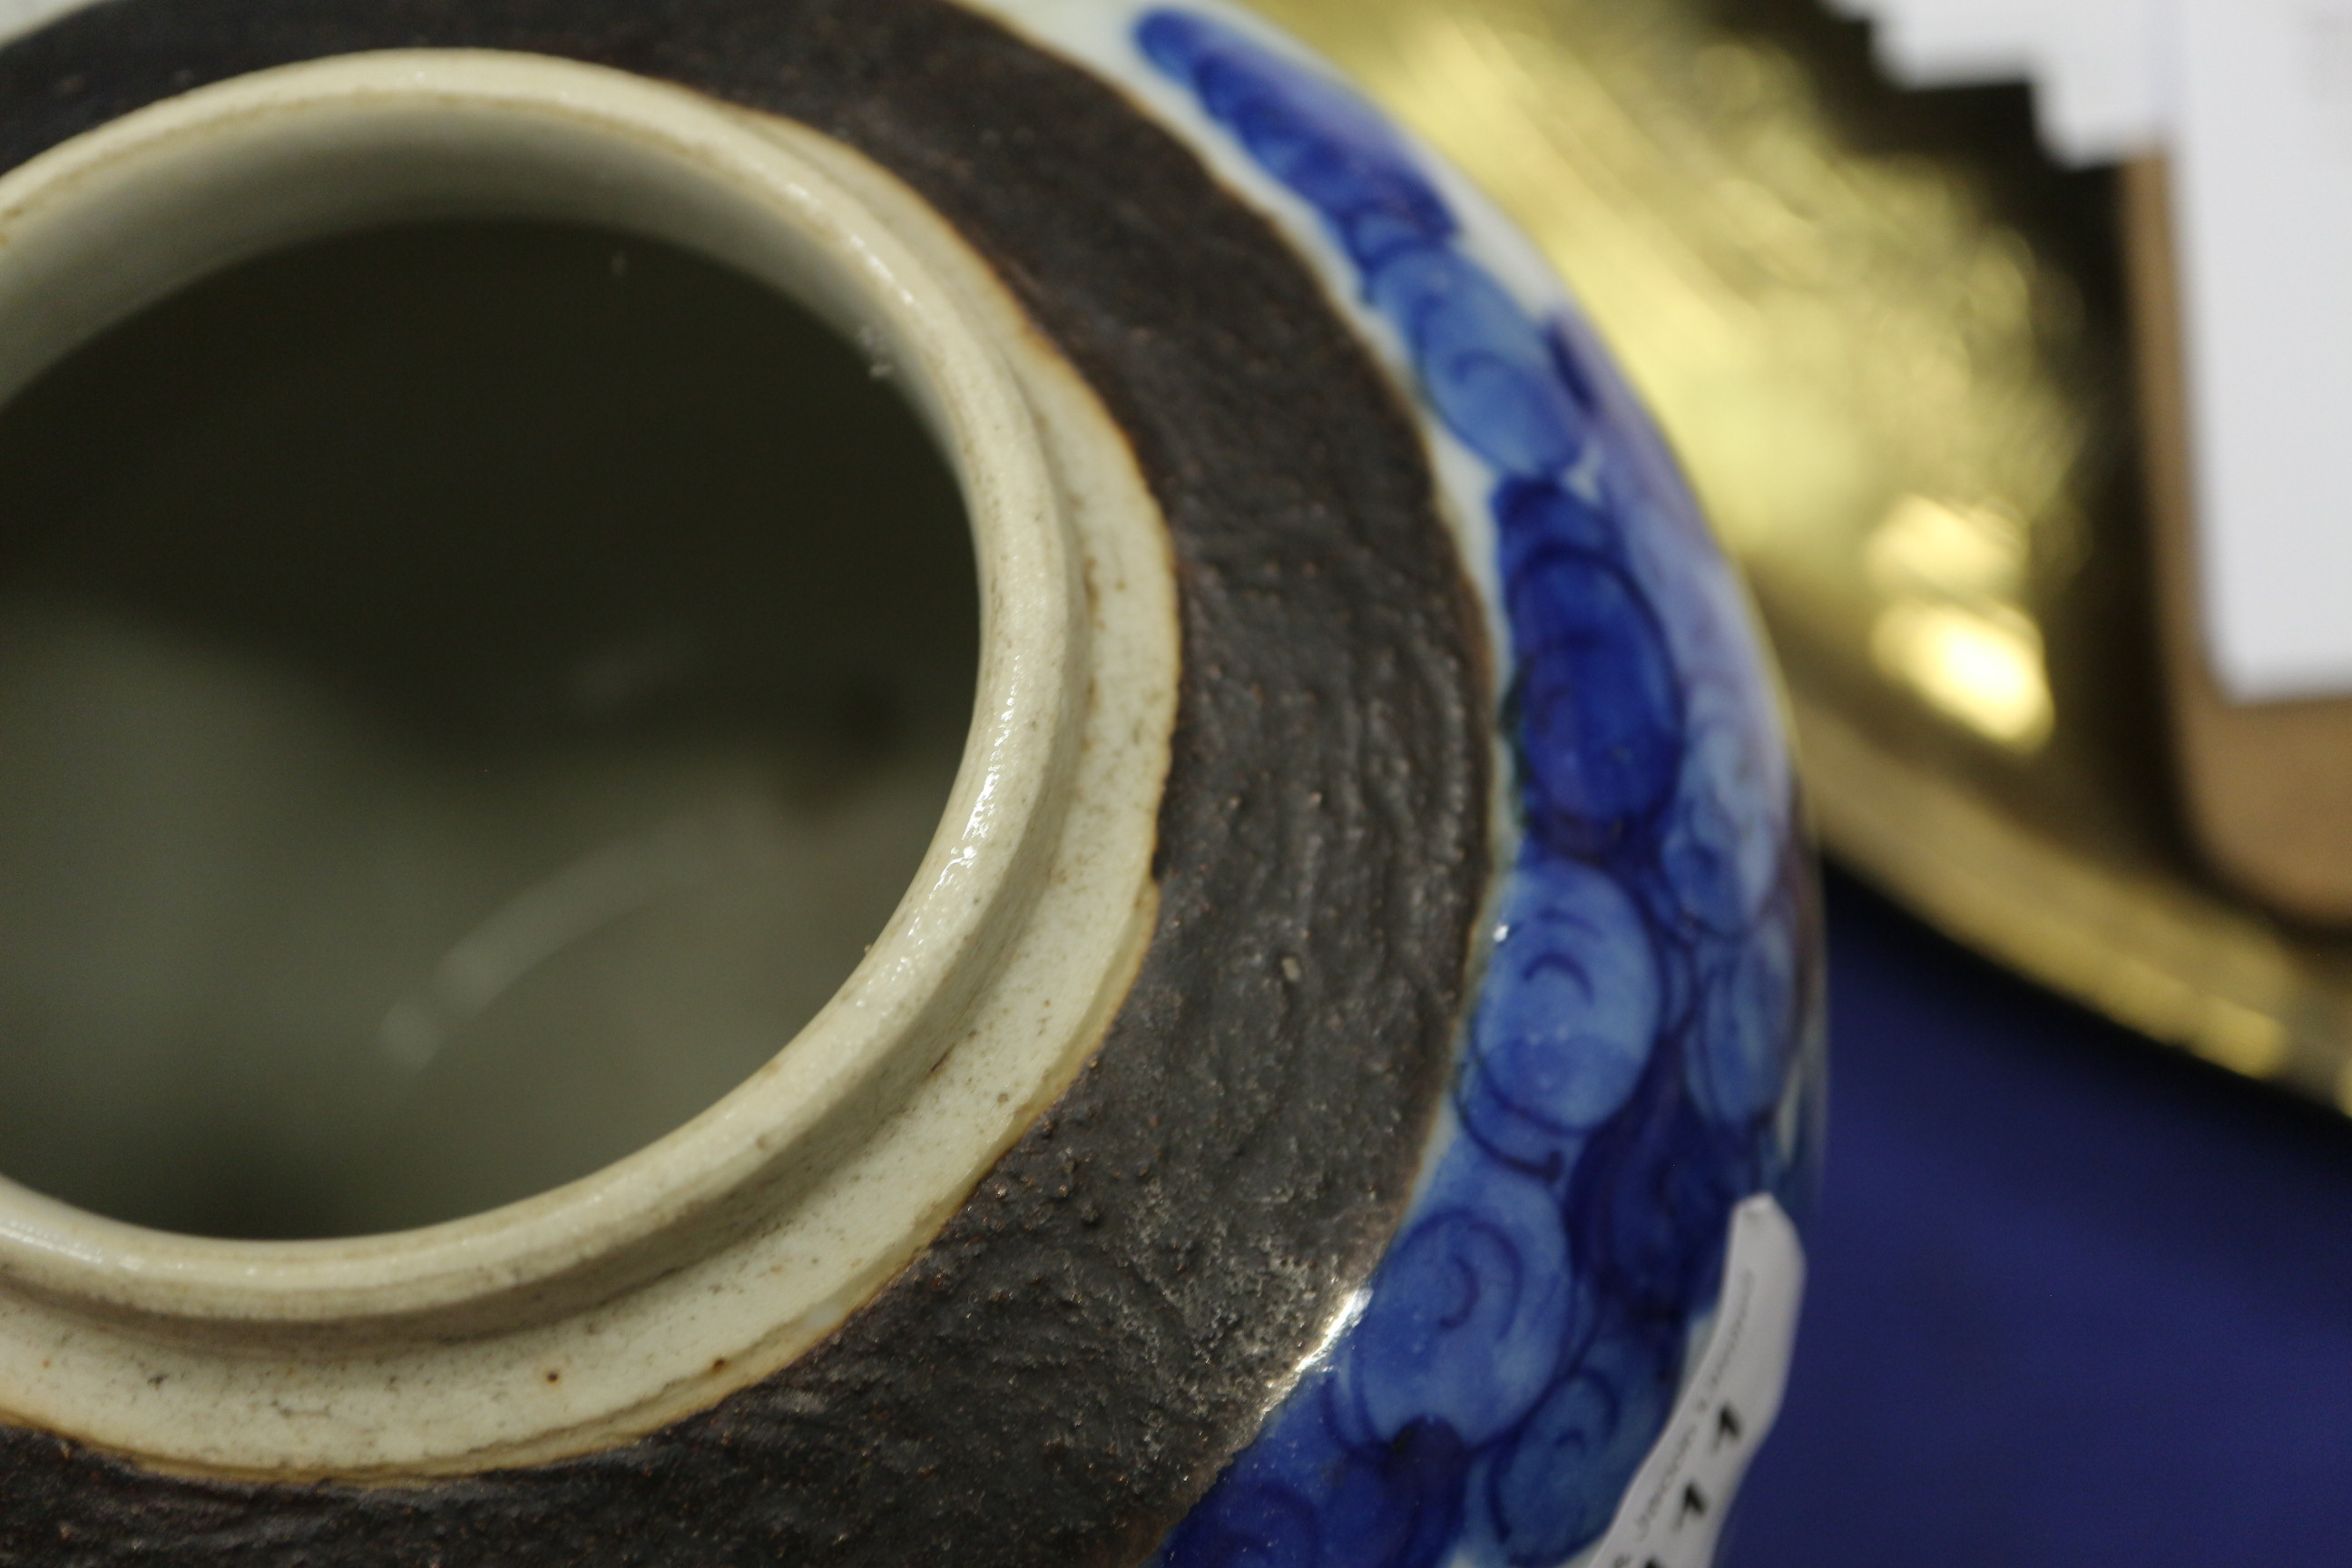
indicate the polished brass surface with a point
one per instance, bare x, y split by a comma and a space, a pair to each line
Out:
1889, 341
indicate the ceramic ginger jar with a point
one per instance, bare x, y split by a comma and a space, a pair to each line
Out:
1331, 1081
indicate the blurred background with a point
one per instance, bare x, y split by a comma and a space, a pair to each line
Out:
1912, 318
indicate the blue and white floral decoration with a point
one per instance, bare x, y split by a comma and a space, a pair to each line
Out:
1644, 1048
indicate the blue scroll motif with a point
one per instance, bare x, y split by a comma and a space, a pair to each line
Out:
1644, 1051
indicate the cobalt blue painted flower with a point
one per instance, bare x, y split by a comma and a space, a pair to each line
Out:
1642, 1054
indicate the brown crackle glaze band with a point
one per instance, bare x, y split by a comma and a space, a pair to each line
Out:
1065, 1368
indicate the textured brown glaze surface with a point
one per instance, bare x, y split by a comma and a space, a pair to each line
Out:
1065, 1368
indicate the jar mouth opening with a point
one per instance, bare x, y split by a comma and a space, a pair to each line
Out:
105, 225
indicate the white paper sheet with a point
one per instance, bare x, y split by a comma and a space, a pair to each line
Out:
2263, 200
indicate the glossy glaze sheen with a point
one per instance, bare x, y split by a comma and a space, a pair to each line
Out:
1633, 1069
1172, 1240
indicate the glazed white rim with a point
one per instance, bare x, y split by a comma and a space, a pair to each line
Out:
775, 212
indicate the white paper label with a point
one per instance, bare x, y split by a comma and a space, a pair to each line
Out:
1674, 1512
2263, 173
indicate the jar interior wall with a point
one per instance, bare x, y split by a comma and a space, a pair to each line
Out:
469, 691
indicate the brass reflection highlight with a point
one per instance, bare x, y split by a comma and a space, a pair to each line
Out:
1982, 669
1953, 627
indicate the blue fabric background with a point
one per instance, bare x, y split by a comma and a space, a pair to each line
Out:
2073, 1300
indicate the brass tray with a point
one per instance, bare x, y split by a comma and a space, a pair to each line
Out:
1889, 341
